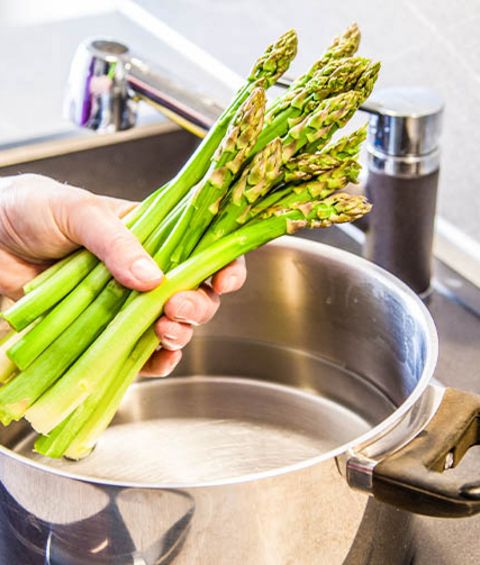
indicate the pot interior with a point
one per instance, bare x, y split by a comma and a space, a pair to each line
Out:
317, 349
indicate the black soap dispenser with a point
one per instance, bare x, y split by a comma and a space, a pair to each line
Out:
403, 171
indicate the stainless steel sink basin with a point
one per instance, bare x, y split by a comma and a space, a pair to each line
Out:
126, 165
131, 164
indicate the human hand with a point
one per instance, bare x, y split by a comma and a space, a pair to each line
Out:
42, 220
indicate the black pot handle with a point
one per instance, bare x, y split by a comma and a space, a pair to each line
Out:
414, 477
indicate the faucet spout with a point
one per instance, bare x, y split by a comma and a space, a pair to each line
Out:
107, 81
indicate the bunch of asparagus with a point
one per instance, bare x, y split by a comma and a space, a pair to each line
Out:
79, 338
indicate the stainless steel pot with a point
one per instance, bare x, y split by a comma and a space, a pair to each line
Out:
312, 380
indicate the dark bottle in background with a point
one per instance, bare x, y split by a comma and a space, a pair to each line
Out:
403, 171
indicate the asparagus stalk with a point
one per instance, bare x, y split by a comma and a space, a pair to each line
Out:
130, 324
317, 189
344, 45
363, 89
7, 368
275, 60
317, 129
231, 155
49, 272
266, 71
76, 436
20, 393
335, 78
307, 165
27, 349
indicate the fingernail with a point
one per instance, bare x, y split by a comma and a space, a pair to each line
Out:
229, 284
170, 342
185, 312
146, 270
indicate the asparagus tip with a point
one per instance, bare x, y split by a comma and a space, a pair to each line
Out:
275, 60
242, 133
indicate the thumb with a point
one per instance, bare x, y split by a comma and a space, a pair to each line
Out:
96, 226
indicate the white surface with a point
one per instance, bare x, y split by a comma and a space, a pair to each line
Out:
28, 12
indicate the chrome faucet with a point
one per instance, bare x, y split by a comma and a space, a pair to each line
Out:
107, 81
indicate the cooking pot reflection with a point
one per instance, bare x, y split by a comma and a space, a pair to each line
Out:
89, 525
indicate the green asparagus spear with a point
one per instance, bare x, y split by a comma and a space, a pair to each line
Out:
339, 75
130, 324
317, 129
231, 155
307, 165
345, 45
317, 189
342, 46
336, 78
76, 436
275, 60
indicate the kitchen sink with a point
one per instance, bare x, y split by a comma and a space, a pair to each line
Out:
130, 164
125, 165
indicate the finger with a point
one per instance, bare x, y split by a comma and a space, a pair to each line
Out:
98, 229
173, 335
16, 274
193, 306
231, 278
161, 363
119, 206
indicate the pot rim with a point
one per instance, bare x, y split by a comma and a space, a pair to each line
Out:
377, 432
